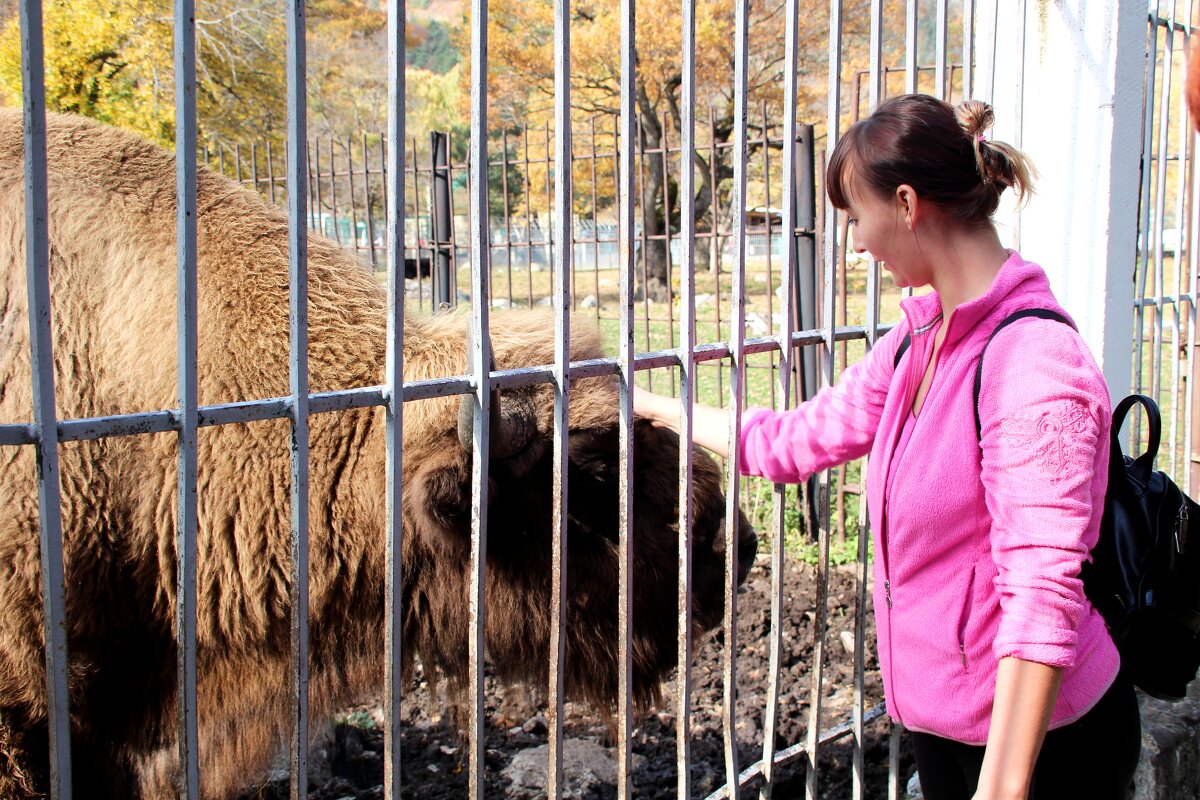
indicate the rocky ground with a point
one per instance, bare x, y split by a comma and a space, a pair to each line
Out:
348, 762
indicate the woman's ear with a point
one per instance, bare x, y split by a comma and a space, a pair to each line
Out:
908, 205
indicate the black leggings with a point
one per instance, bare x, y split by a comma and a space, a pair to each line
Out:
1093, 757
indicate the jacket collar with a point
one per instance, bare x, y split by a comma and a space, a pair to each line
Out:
1016, 277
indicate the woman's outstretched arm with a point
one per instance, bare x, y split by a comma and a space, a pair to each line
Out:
710, 425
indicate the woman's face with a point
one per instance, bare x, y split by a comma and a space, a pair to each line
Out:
878, 226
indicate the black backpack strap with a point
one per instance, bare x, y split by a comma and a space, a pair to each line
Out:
1040, 313
901, 350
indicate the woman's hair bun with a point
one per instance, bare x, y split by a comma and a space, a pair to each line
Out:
975, 117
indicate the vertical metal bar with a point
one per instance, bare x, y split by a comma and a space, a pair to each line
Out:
298, 386
1178, 261
893, 790
943, 91
371, 216
766, 153
254, 166
416, 176
312, 219
186, 523
317, 162
237, 160
507, 212
625, 203
337, 234
831, 245
564, 250
910, 50
1019, 105
786, 360
875, 89
1143, 262
687, 336
1160, 199
737, 375
394, 376
481, 351
644, 239
528, 229
45, 423
270, 173
1193, 261
968, 54
595, 222
353, 198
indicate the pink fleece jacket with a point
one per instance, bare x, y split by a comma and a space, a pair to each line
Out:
977, 553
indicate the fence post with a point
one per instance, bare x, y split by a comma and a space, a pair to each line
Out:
442, 238
804, 282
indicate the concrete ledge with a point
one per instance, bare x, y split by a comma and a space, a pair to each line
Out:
1169, 768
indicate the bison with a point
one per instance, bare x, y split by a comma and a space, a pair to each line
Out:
112, 213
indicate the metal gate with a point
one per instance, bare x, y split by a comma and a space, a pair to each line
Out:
815, 327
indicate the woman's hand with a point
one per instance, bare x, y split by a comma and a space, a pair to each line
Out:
656, 409
710, 425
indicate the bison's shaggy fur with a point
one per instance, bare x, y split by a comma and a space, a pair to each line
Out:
112, 229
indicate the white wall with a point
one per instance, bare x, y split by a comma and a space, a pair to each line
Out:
1071, 98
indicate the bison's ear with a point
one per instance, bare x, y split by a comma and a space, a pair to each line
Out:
438, 495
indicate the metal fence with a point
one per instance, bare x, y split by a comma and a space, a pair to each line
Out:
787, 341
1164, 365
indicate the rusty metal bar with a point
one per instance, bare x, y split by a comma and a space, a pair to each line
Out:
37, 271
481, 358
371, 217
687, 386
625, 357
737, 379
563, 252
394, 375
186, 512
298, 386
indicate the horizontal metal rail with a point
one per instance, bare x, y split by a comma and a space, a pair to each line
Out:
789, 754
324, 402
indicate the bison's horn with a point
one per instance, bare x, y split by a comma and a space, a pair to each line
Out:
510, 428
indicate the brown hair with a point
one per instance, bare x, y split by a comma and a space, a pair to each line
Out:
936, 148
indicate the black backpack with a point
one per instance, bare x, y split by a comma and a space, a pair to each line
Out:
1144, 576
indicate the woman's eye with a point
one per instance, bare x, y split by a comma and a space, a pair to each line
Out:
852, 221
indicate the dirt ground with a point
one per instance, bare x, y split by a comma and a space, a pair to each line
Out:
348, 763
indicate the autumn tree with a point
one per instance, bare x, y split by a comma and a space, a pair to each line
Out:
521, 81
114, 61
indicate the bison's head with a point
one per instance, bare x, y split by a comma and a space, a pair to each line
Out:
438, 510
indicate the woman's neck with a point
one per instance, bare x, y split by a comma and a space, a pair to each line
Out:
967, 264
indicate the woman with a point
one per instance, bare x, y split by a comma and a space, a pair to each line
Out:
990, 653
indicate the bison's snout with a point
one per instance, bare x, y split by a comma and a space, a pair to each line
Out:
747, 548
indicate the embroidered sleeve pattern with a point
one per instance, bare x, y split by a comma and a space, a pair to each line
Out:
1055, 437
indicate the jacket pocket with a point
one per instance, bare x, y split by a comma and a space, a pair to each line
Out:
964, 619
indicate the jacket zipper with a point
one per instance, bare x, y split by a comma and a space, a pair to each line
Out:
964, 617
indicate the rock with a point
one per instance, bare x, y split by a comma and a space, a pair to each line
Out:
501, 302
1169, 767
589, 770
545, 301
847, 638
535, 725
589, 302
913, 790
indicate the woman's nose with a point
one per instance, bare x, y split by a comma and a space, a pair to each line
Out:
855, 244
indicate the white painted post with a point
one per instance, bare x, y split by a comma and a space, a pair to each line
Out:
1075, 86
